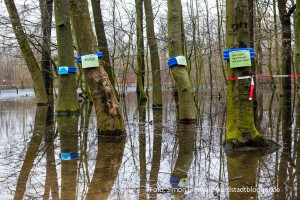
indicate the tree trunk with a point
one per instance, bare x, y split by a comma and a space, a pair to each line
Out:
286, 48
101, 38
297, 41
35, 72
155, 63
240, 126
47, 11
140, 51
108, 110
67, 95
187, 108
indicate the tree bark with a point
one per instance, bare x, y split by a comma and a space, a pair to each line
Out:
67, 95
140, 51
101, 38
187, 108
155, 63
35, 72
240, 126
47, 11
286, 48
108, 110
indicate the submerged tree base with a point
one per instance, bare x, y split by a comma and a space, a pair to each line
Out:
111, 133
257, 143
66, 113
187, 121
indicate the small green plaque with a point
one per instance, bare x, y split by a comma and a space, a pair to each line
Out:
239, 59
89, 61
181, 60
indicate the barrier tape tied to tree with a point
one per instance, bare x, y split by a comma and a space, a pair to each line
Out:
235, 78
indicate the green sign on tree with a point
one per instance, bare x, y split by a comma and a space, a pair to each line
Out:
239, 59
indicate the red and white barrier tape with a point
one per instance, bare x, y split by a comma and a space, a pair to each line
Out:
234, 78
251, 89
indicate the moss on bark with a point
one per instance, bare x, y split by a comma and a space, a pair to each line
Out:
240, 126
67, 103
187, 108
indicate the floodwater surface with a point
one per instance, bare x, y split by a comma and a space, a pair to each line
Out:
43, 156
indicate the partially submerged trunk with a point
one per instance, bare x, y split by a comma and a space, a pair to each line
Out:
140, 51
155, 63
240, 126
187, 108
67, 94
109, 116
35, 72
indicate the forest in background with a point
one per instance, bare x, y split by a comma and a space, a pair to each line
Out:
204, 25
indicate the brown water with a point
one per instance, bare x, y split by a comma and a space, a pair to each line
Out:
154, 149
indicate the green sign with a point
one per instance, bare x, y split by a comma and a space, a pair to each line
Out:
89, 61
239, 59
181, 60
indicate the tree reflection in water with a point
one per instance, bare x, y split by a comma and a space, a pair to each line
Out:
154, 149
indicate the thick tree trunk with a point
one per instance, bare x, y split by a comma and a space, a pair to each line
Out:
35, 72
101, 38
155, 63
47, 11
187, 108
108, 110
67, 95
140, 51
240, 127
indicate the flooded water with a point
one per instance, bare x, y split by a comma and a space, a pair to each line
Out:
47, 157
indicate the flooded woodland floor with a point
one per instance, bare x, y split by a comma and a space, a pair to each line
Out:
154, 150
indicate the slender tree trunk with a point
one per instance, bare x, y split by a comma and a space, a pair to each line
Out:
140, 51
67, 94
297, 41
47, 11
35, 72
220, 24
108, 110
155, 63
240, 126
101, 38
286, 45
187, 108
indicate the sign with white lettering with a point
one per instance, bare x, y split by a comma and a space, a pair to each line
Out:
239, 59
89, 61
